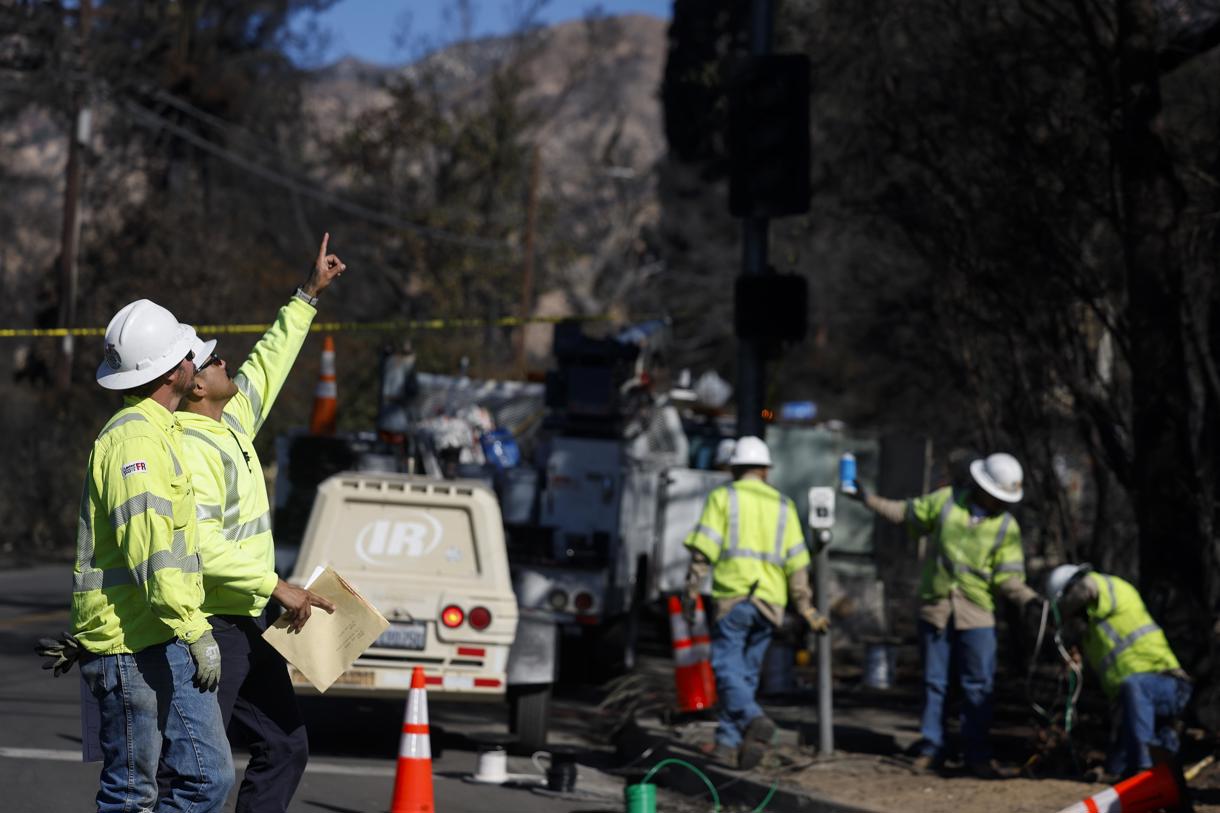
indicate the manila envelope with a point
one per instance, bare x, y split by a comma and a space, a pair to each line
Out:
328, 644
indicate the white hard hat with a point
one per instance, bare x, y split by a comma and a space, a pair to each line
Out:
724, 451
202, 349
1057, 582
1000, 476
750, 451
143, 341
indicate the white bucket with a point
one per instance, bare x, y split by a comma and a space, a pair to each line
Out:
879, 666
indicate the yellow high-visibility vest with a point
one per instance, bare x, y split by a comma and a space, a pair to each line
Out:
234, 515
1122, 639
972, 555
137, 580
751, 534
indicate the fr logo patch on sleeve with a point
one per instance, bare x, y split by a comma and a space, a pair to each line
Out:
135, 467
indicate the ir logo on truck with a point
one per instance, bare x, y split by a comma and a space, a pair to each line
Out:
382, 541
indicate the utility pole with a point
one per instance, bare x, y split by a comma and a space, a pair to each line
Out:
751, 361
69, 244
527, 264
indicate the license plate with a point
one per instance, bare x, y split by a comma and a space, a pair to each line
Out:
356, 677
411, 635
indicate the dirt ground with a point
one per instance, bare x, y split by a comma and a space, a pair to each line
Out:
887, 784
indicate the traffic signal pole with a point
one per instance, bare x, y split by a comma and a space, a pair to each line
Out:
751, 361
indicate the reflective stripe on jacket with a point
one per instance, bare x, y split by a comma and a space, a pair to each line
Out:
1122, 639
973, 556
231, 494
137, 578
752, 535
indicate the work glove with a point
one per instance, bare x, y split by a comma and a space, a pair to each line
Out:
206, 654
818, 623
60, 653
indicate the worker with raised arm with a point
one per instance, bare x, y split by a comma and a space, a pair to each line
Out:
752, 540
975, 555
143, 641
1140, 675
221, 417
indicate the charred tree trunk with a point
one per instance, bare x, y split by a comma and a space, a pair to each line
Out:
1169, 495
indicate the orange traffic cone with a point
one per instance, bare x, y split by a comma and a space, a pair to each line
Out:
413, 782
688, 678
1157, 789
326, 396
701, 645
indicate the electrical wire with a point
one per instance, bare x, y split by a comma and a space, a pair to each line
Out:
144, 117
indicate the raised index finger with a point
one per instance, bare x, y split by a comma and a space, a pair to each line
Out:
322, 250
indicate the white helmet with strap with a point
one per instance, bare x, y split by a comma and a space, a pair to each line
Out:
1000, 475
143, 341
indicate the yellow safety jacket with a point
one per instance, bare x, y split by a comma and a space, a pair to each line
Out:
1122, 639
972, 556
137, 578
751, 534
230, 493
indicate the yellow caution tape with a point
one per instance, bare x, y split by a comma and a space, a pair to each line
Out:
326, 327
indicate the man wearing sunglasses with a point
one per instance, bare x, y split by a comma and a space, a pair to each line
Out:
221, 417
143, 641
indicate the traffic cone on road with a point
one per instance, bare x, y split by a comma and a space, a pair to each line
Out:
326, 396
413, 781
1157, 789
688, 678
701, 645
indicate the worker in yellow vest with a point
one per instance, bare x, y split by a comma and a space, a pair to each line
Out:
221, 417
143, 642
1131, 656
975, 556
752, 540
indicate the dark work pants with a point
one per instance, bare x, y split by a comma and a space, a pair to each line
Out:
260, 711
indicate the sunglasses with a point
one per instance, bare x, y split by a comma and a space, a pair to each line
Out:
212, 359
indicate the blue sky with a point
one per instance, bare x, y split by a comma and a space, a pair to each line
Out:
392, 32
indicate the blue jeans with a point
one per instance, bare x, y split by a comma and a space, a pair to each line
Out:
739, 642
147, 699
973, 652
1144, 699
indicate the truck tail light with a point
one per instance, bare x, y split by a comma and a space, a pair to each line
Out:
583, 602
452, 616
558, 599
480, 618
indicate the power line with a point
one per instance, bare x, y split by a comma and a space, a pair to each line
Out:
147, 118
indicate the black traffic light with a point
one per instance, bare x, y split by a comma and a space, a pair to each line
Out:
769, 136
771, 308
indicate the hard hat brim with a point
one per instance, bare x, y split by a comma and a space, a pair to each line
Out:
111, 379
203, 350
978, 471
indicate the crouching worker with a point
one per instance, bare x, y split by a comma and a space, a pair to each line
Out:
751, 539
1138, 671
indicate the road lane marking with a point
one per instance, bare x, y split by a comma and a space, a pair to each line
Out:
66, 755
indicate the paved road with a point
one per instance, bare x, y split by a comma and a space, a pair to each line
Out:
354, 745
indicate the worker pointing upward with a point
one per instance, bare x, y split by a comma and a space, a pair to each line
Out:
221, 417
752, 540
